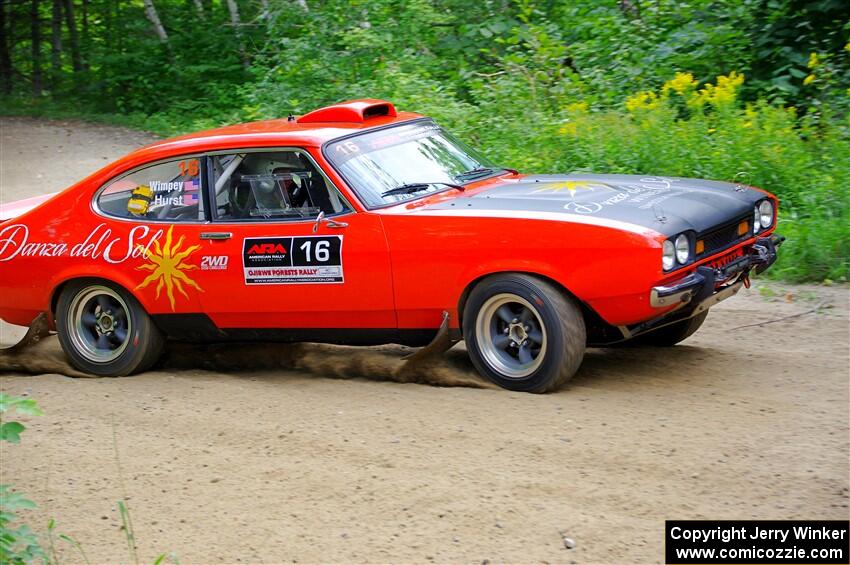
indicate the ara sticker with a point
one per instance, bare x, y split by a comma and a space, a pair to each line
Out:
292, 260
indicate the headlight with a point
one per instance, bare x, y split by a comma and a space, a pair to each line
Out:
765, 213
683, 248
668, 256
756, 220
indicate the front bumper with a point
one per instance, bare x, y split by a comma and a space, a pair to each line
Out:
702, 289
702, 283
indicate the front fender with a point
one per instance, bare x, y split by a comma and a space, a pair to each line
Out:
436, 258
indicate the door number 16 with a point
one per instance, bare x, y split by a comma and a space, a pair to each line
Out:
322, 250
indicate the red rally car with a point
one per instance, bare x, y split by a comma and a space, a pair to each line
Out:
357, 224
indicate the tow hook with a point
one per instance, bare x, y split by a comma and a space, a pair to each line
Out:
763, 253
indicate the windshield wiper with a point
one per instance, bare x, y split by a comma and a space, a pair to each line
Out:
411, 187
476, 172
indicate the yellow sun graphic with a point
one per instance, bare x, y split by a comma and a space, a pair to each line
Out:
168, 267
572, 186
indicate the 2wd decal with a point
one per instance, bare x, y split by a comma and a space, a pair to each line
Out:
214, 262
292, 260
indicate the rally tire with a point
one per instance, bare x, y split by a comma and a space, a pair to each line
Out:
668, 336
533, 315
104, 330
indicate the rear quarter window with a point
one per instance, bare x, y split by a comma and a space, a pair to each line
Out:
169, 190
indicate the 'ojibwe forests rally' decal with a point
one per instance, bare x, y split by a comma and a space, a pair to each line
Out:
292, 260
166, 262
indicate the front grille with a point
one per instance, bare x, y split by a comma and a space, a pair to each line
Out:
722, 238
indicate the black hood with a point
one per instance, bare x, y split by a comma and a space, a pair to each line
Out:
667, 205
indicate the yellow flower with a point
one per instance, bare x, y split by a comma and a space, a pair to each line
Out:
645, 100
724, 93
731, 82
577, 107
681, 83
569, 128
808, 80
814, 60
751, 117
847, 47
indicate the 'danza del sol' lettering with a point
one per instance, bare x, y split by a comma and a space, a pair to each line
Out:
101, 243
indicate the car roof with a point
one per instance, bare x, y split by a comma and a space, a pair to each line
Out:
310, 130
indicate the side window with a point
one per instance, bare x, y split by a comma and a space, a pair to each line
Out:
276, 185
165, 191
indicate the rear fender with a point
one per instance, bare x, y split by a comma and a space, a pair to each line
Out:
129, 280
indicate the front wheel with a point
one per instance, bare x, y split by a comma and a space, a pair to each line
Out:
523, 333
104, 330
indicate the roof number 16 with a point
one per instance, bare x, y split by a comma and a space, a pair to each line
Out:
189, 168
348, 148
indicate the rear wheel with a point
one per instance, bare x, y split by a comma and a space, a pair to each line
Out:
104, 330
523, 333
668, 336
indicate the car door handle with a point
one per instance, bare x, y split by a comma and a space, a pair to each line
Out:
216, 235
328, 222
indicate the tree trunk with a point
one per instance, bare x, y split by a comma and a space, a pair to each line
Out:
630, 8
35, 24
86, 37
199, 6
153, 17
5, 57
56, 46
71, 22
236, 23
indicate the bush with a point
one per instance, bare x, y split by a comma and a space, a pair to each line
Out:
18, 544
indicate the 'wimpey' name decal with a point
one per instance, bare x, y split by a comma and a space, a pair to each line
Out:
100, 243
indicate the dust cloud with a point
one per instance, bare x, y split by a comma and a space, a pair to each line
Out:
381, 363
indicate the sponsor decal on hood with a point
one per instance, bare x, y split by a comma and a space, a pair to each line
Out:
667, 205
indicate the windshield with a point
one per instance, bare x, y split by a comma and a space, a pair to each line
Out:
420, 156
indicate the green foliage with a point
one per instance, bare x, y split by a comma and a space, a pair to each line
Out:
25, 406
11, 431
18, 544
542, 86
